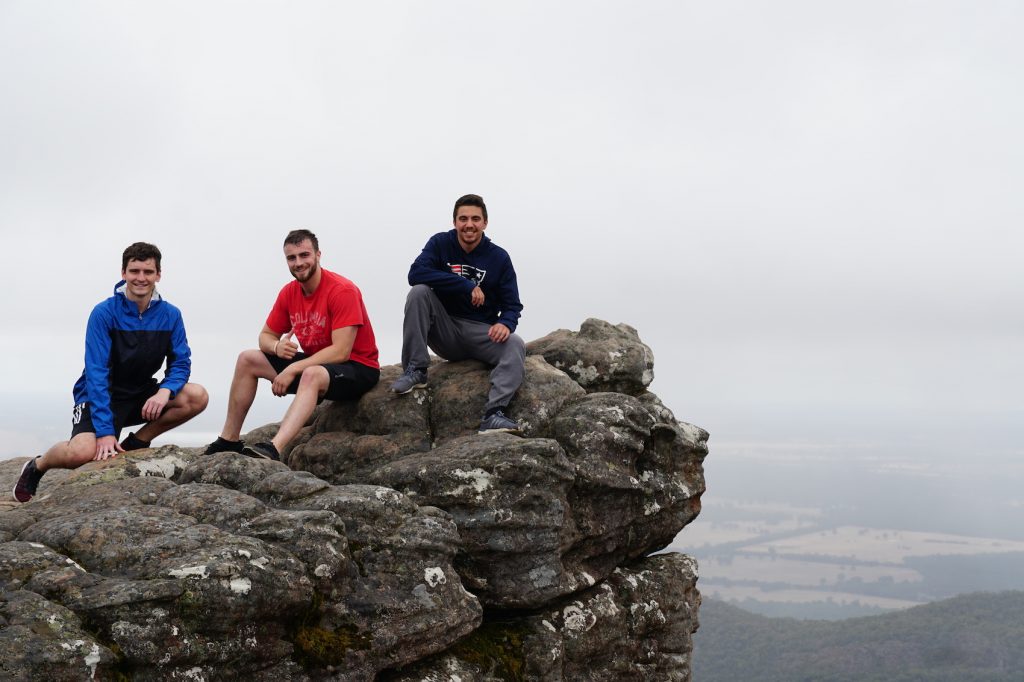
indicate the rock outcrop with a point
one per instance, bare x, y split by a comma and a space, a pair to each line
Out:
393, 543
636, 625
240, 564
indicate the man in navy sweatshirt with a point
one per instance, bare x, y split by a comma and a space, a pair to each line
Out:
129, 337
464, 304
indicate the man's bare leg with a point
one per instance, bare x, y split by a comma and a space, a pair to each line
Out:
251, 366
69, 454
313, 384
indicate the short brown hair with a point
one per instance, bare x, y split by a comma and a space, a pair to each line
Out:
296, 237
469, 200
140, 251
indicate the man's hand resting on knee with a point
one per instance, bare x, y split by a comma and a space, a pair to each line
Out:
498, 333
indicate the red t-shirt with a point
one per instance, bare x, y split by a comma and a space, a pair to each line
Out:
336, 303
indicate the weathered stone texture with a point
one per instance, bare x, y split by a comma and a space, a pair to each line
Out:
239, 565
600, 356
637, 625
601, 477
375, 547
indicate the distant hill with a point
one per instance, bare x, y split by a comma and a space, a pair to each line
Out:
976, 637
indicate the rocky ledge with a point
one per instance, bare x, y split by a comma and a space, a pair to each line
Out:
393, 542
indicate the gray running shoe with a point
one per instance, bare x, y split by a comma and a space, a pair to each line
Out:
25, 488
262, 451
410, 379
499, 423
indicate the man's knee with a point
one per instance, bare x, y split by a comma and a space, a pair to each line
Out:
252, 361
315, 378
194, 398
245, 358
515, 347
419, 291
419, 295
81, 449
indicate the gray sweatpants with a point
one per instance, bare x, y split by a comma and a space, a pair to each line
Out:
427, 323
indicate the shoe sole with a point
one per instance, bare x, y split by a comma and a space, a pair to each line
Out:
209, 452
256, 454
14, 491
217, 452
517, 432
411, 389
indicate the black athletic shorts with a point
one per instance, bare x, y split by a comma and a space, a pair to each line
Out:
349, 380
126, 413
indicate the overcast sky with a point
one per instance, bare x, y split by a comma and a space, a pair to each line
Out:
811, 211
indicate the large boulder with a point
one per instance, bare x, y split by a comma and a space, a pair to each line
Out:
636, 625
231, 564
373, 550
600, 477
600, 356
509, 497
40, 639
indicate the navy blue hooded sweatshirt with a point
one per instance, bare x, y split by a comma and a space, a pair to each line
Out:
124, 349
453, 274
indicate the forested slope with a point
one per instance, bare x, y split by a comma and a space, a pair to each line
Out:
978, 637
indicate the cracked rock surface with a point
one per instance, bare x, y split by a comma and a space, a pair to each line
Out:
599, 478
636, 625
393, 543
234, 564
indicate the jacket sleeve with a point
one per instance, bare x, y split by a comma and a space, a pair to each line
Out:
179, 358
429, 268
97, 370
510, 307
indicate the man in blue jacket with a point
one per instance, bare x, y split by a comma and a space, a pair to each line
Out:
464, 303
128, 337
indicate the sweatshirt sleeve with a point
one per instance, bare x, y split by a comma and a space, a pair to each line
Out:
430, 268
508, 294
179, 358
97, 370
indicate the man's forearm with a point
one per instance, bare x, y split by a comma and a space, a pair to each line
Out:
439, 278
268, 343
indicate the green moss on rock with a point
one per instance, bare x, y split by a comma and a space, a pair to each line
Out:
496, 648
319, 645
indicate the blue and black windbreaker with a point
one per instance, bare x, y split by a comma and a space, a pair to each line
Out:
124, 349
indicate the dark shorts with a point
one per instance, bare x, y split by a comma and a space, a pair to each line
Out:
349, 380
126, 413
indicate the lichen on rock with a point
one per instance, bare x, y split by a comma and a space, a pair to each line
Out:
373, 551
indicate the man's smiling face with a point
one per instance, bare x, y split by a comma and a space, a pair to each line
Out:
303, 261
469, 226
141, 277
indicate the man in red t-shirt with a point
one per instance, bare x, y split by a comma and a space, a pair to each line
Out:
325, 313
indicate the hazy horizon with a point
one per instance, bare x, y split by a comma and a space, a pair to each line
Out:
810, 211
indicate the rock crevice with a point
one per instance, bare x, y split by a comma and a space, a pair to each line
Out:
393, 542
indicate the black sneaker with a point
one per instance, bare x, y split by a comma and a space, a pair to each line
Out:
25, 488
262, 451
222, 445
132, 442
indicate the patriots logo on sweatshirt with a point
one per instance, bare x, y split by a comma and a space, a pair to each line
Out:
468, 271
